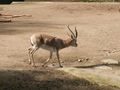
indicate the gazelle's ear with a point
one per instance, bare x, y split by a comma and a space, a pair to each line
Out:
72, 37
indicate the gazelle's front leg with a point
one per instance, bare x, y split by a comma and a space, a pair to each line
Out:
29, 55
57, 53
48, 59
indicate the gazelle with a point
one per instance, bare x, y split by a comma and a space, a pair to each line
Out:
51, 43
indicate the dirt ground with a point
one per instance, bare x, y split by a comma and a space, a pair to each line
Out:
99, 38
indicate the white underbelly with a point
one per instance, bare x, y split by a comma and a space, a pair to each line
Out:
48, 48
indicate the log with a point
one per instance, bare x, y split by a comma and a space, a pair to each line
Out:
14, 16
6, 20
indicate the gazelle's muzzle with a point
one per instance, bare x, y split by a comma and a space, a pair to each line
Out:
76, 45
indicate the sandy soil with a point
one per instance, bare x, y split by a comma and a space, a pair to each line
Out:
99, 34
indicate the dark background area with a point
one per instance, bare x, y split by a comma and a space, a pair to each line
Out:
10, 1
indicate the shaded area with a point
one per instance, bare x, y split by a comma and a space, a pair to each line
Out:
44, 80
5, 1
77, 0
8, 1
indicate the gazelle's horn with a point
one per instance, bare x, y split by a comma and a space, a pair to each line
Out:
71, 31
76, 32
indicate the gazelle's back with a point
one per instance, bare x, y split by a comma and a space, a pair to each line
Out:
47, 41
40, 39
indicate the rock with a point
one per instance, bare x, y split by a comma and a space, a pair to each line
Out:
83, 59
109, 61
80, 60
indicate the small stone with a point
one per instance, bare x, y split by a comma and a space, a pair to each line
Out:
80, 60
83, 59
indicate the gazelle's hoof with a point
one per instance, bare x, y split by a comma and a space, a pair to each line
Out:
29, 63
61, 66
33, 65
44, 65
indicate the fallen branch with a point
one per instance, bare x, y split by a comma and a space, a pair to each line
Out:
5, 21
14, 16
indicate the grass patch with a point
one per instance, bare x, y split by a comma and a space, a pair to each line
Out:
93, 78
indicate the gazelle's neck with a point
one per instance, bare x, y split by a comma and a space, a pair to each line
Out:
66, 43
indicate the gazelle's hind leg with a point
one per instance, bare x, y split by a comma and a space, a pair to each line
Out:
33, 50
48, 59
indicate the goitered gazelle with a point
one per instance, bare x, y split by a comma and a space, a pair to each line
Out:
52, 44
